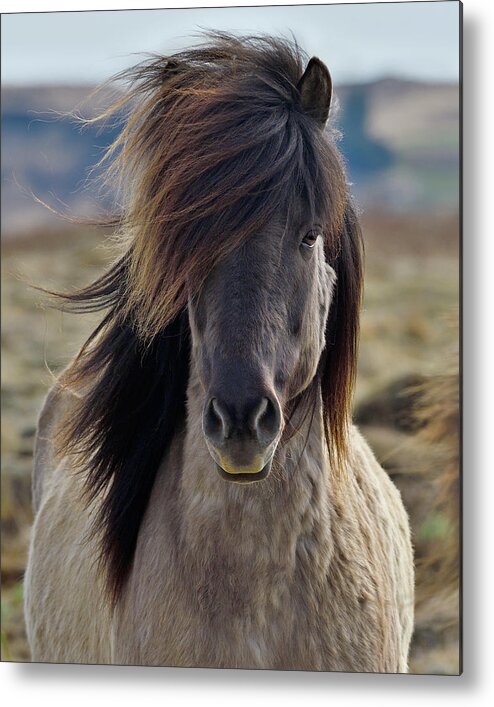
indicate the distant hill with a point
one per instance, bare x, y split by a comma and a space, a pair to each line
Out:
400, 141
47, 153
417, 125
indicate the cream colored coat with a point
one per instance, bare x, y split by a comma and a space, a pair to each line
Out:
300, 571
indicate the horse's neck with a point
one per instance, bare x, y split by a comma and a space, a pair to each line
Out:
268, 522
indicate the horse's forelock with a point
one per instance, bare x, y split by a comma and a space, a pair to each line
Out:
214, 146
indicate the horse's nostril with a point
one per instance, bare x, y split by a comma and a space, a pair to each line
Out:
217, 422
265, 420
257, 414
242, 421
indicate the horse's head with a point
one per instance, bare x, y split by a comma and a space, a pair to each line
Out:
258, 322
258, 331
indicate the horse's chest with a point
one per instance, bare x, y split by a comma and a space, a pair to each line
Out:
243, 616
287, 622
225, 621
223, 618
309, 607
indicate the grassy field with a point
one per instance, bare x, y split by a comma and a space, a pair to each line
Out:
409, 330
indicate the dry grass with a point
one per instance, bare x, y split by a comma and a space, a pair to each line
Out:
411, 293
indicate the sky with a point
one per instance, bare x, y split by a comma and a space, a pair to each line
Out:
416, 40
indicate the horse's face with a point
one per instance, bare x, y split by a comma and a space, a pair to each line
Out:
258, 327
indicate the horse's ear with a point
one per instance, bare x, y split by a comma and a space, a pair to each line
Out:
316, 89
339, 361
172, 67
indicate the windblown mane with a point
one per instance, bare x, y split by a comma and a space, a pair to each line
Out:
214, 142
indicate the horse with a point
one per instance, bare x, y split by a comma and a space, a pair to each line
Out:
201, 495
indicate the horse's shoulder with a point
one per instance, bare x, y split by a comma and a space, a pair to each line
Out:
362, 458
56, 406
370, 474
392, 529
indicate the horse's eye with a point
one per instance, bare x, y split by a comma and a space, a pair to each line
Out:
310, 238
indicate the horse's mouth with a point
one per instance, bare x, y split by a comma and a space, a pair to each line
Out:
243, 476
256, 469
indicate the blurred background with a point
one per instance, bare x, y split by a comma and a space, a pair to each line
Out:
395, 70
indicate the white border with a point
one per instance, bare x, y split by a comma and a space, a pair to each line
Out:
87, 685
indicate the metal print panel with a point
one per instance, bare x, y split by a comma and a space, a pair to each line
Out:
231, 439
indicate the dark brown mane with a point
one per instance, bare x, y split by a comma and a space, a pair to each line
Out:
213, 143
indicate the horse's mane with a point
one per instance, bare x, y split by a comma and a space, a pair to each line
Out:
214, 141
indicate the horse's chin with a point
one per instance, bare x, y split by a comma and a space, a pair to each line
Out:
242, 476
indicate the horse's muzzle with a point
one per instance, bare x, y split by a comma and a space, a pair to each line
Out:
242, 433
